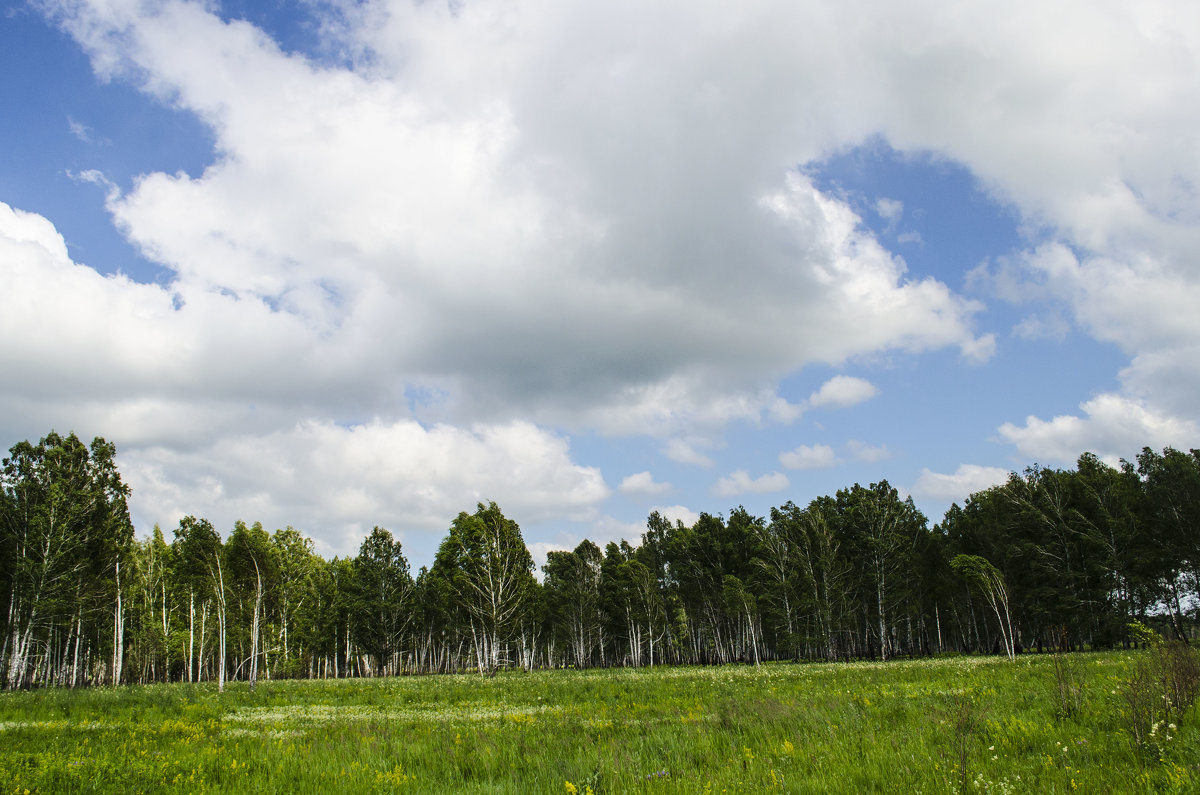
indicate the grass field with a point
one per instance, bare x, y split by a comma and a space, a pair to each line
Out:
934, 726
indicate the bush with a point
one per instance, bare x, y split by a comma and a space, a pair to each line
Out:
1164, 685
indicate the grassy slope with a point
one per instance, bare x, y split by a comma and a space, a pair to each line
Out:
934, 726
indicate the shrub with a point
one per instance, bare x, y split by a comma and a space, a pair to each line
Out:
1164, 685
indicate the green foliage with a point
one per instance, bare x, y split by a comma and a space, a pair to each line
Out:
1058, 560
1140, 633
572, 591
64, 536
485, 570
382, 599
985, 577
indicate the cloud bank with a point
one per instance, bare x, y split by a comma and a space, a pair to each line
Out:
486, 226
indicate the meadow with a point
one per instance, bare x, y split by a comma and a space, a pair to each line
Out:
961, 724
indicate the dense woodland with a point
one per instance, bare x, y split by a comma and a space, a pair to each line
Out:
1052, 559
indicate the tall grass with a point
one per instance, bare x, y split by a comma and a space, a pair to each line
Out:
933, 726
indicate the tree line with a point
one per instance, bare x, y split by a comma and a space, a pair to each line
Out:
1051, 559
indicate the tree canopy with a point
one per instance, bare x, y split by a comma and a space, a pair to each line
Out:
1054, 558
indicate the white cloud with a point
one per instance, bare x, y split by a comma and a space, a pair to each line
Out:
785, 412
684, 453
861, 451
817, 456
740, 482
957, 486
604, 529
343, 480
1113, 427
1038, 327
842, 391
980, 349
642, 484
1166, 378
95, 177
1142, 304
121, 355
889, 210
81, 131
577, 248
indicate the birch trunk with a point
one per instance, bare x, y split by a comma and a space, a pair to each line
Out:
254, 625
191, 632
879, 586
75, 660
118, 631
219, 587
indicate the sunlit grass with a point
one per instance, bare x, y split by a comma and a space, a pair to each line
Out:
935, 726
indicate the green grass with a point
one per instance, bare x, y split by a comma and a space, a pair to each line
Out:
933, 726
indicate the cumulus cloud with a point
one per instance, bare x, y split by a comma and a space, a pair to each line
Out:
604, 529
148, 362
960, 484
1143, 304
685, 453
577, 251
842, 391
740, 482
817, 456
785, 412
1112, 427
1037, 327
980, 349
342, 480
889, 210
642, 484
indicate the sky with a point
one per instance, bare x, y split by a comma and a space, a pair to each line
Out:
334, 264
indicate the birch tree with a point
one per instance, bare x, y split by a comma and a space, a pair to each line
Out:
572, 586
199, 553
980, 573
297, 593
384, 598
885, 531
65, 529
252, 569
488, 569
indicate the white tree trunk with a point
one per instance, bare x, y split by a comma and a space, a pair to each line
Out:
883, 645
191, 632
118, 631
254, 625
203, 637
219, 587
75, 660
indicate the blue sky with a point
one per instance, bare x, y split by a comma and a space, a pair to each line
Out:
336, 265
